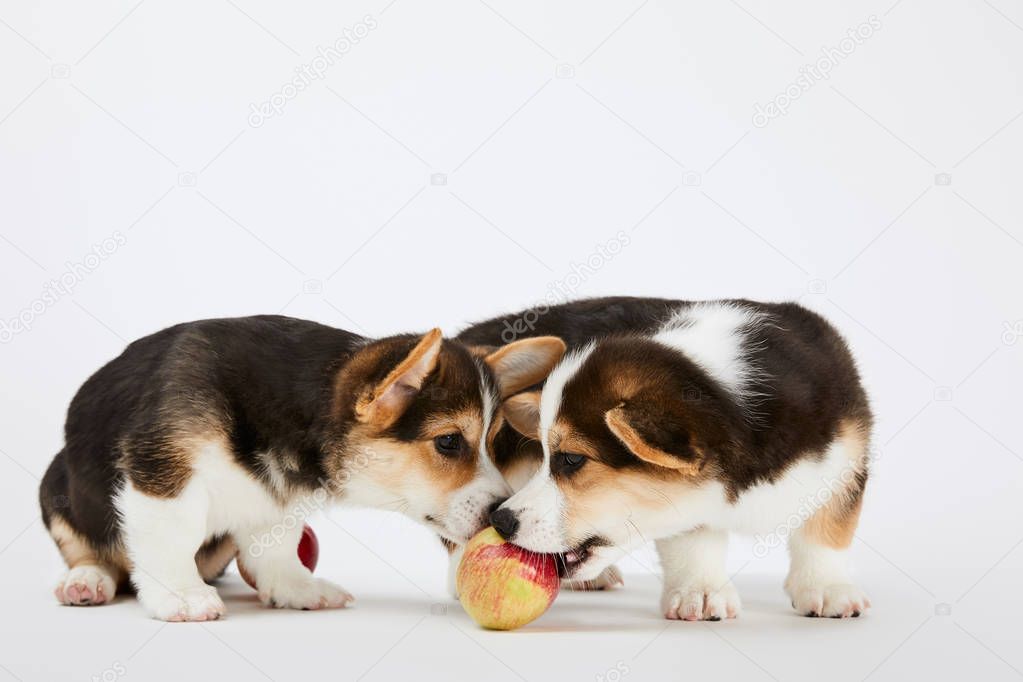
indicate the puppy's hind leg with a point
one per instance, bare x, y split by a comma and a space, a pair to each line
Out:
819, 583
90, 580
162, 536
95, 565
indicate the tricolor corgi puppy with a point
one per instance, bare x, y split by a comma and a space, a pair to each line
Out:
215, 438
705, 418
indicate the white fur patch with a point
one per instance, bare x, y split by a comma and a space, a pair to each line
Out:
237, 501
715, 335
491, 401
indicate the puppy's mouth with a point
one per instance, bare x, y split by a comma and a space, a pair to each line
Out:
572, 561
458, 537
441, 528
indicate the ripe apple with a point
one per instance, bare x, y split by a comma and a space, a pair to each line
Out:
309, 549
503, 586
308, 554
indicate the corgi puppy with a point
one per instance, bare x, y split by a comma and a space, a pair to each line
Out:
689, 420
215, 438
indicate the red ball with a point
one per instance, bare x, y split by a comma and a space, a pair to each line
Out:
308, 554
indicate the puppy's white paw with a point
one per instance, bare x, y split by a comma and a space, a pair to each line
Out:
840, 600
607, 579
86, 586
304, 592
707, 600
199, 603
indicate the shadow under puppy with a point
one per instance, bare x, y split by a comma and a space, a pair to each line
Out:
689, 420
202, 439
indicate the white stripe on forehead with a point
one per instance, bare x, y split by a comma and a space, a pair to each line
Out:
488, 393
550, 399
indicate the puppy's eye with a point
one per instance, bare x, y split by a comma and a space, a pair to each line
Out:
450, 444
566, 462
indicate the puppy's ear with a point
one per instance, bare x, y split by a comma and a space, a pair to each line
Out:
656, 435
524, 363
522, 411
389, 399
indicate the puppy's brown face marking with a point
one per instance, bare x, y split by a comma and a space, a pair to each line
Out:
415, 445
599, 499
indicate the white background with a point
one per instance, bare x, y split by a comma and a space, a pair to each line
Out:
553, 126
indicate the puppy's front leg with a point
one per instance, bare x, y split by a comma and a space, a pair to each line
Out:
162, 536
270, 556
696, 586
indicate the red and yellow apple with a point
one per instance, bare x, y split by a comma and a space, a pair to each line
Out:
503, 586
308, 554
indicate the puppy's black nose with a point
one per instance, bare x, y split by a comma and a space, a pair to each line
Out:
493, 508
505, 523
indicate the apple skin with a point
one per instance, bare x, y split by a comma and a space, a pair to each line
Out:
503, 586
309, 549
308, 554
